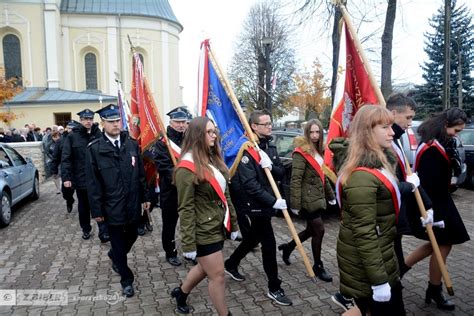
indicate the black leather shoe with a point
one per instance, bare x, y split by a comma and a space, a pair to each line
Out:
140, 231
69, 207
149, 227
181, 306
86, 236
321, 273
128, 291
174, 261
286, 252
104, 238
435, 293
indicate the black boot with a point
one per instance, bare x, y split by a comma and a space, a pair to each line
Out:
321, 273
287, 249
435, 293
181, 297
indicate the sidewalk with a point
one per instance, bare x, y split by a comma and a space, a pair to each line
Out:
42, 249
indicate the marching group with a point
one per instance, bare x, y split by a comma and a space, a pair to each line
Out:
375, 192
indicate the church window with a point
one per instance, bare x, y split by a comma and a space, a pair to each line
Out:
12, 57
90, 62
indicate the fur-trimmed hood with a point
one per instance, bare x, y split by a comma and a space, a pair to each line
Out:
300, 141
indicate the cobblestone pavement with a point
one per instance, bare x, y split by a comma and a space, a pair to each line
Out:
42, 249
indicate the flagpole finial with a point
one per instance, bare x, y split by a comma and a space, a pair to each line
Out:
131, 44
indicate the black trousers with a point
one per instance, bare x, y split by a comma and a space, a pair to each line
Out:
85, 214
122, 238
261, 231
169, 216
393, 307
244, 224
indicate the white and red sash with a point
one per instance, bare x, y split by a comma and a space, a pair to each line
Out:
188, 164
174, 148
386, 178
253, 152
313, 163
400, 159
424, 147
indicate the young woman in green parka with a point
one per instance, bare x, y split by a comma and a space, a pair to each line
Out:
205, 212
368, 193
310, 189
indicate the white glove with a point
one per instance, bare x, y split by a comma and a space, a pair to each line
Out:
295, 211
265, 161
414, 180
381, 293
439, 224
332, 202
280, 204
190, 255
233, 235
428, 219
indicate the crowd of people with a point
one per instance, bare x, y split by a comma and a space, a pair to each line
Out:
375, 192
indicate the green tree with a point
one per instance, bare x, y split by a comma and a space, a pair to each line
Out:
429, 94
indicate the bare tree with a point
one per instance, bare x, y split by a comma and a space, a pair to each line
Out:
387, 39
264, 55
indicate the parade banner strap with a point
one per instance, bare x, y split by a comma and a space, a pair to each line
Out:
144, 127
216, 105
353, 90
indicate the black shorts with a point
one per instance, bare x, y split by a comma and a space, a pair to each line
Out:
309, 216
206, 250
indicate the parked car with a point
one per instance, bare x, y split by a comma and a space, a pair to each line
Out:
18, 180
467, 139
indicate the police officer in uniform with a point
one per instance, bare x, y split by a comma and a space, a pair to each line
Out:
168, 193
116, 178
73, 169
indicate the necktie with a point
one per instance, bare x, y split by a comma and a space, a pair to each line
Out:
116, 144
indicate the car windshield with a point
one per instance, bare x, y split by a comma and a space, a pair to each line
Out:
467, 136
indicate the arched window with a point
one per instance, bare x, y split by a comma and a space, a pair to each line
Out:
90, 62
12, 57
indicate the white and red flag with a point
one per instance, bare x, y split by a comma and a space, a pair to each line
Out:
353, 90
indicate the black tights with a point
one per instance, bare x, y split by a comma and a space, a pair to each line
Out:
314, 229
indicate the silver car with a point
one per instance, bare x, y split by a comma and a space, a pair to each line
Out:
18, 180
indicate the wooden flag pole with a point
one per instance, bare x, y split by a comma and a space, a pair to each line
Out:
429, 228
235, 102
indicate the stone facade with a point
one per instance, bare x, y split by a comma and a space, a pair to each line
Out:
33, 150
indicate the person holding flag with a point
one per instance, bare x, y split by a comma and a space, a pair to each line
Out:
165, 167
310, 189
367, 191
435, 162
257, 200
206, 212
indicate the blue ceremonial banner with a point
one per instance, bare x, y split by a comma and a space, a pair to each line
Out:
217, 105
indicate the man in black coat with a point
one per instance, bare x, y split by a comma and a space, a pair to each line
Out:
252, 193
73, 169
116, 178
168, 193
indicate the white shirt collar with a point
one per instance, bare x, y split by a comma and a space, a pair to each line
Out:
112, 140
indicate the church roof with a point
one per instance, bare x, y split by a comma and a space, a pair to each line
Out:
47, 96
148, 8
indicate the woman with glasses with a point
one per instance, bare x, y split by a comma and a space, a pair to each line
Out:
309, 191
205, 211
436, 162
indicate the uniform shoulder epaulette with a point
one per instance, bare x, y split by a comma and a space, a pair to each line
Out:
93, 142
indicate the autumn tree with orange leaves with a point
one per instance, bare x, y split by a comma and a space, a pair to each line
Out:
8, 89
313, 93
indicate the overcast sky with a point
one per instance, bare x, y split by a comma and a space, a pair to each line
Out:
221, 21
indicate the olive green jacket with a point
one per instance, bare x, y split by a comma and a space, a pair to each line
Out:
307, 191
201, 212
365, 245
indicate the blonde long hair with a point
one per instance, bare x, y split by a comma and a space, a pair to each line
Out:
363, 147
